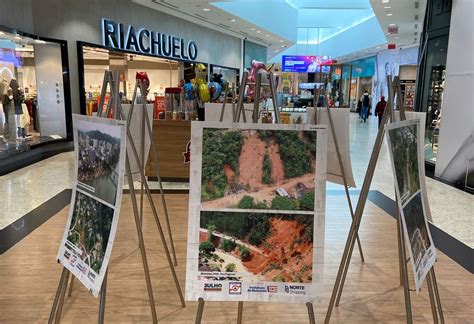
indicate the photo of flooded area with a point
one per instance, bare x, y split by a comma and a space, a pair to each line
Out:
258, 169
256, 247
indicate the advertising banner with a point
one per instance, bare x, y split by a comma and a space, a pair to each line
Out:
256, 212
304, 64
100, 149
405, 148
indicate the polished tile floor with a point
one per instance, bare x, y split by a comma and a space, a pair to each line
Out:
25, 189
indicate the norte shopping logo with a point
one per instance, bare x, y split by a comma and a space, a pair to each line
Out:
213, 287
295, 289
235, 288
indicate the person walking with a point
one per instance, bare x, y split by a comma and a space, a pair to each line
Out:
380, 108
365, 100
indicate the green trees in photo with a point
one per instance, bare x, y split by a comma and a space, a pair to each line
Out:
306, 201
230, 267
246, 202
284, 203
206, 248
227, 245
219, 147
244, 253
267, 169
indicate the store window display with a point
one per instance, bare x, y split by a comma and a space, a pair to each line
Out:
32, 103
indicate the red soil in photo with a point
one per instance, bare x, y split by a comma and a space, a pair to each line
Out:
278, 171
229, 173
287, 257
251, 160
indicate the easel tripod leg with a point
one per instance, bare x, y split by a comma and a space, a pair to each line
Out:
438, 299
200, 310
56, 298
312, 319
71, 285
240, 311
141, 240
103, 292
155, 213
61, 299
162, 193
406, 287
432, 299
344, 274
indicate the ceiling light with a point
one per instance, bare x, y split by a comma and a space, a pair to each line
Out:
252, 28
387, 7
17, 37
392, 25
281, 40
385, 1
206, 9
2, 33
39, 41
267, 35
258, 31
389, 15
378, 47
233, 20
282, 46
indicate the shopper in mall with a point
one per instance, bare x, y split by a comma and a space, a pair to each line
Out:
380, 108
365, 100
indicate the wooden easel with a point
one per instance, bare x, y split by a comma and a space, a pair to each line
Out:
243, 84
317, 92
228, 90
394, 87
258, 87
110, 78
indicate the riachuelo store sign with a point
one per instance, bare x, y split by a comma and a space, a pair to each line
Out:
144, 41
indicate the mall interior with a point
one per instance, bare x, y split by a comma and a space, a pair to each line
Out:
134, 132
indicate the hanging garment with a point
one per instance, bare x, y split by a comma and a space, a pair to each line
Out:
25, 117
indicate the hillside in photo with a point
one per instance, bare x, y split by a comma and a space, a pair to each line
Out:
275, 168
257, 247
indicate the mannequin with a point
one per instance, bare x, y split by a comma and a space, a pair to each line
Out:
18, 99
9, 117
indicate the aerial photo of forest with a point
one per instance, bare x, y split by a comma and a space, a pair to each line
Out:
90, 229
258, 169
405, 158
256, 247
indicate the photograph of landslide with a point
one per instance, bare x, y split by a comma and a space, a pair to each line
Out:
98, 159
89, 231
404, 146
416, 227
258, 169
256, 247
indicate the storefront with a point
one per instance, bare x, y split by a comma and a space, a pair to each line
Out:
132, 37
35, 108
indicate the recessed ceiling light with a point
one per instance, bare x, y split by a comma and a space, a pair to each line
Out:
387, 7
282, 46
206, 9
281, 40
17, 37
389, 14
392, 25
2, 33
258, 31
267, 35
252, 28
378, 47
385, 1
233, 20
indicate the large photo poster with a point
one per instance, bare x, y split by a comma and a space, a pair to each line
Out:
99, 147
256, 212
405, 147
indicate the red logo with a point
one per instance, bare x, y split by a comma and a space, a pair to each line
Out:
272, 289
187, 154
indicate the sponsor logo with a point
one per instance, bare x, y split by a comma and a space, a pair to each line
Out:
67, 255
81, 268
73, 260
272, 289
257, 289
235, 288
212, 287
295, 289
91, 275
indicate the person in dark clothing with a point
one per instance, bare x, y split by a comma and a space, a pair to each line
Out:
365, 100
380, 108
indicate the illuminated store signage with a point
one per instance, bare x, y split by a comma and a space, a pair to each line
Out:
120, 36
308, 64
